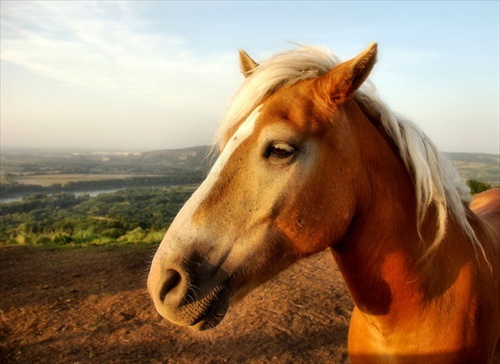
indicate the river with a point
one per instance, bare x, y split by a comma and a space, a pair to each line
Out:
92, 193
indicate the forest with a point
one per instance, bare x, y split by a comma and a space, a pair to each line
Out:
48, 213
173, 178
130, 215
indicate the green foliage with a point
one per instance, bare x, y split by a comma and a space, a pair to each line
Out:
158, 168
478, 186
132, 215
171, 178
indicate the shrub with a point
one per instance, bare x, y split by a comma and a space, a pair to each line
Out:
478, 186
61, 239
42, 240
84, 236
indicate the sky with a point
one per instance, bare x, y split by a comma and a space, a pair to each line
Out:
149, 75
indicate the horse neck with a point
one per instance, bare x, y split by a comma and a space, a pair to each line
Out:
381, 256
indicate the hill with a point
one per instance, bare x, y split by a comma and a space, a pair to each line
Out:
189, 158
481, 167
19, 166
26, 162
43, 171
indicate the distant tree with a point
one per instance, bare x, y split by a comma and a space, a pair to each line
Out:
478, 186
131, 215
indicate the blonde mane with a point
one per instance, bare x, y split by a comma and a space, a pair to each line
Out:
436, 180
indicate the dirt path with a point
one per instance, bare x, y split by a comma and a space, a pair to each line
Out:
90, 305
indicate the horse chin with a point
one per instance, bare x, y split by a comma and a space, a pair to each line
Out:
217, 309
207, 323
213, 313
203, 313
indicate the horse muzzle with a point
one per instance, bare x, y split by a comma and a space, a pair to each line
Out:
193, 293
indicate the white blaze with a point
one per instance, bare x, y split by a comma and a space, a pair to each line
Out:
244, 131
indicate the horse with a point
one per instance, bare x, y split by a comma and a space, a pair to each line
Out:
309, 158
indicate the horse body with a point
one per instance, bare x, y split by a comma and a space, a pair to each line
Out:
308, 162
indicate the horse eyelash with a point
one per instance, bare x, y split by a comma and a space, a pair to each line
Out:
269, 150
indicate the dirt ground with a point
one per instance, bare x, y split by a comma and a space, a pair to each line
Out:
90, 305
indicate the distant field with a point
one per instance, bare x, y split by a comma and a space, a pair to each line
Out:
45, 168
481, 167
46, 180
3, 178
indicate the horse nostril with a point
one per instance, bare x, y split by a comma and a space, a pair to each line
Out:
172, 280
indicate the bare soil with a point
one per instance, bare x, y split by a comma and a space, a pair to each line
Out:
90, 305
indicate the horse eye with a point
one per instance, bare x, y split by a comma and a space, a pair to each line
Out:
279, 150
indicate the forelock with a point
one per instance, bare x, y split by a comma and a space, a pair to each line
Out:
280, 70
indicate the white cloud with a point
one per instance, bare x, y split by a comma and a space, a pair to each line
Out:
150, 81
106, 48
119, 68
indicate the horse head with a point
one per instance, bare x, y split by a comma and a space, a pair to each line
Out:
283, 163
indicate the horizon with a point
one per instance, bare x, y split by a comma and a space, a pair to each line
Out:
146, 76
77, 150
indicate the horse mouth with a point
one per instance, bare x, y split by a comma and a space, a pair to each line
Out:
209, 311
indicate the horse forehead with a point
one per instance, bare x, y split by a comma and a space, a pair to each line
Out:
297, 105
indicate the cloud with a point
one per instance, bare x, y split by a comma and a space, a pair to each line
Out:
107, 48
164, 70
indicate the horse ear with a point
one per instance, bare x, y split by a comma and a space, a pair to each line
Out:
340, 82
247, 64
